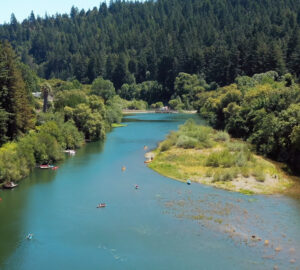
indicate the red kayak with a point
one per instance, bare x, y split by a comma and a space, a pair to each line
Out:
46, 166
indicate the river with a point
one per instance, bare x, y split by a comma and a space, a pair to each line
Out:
164, 224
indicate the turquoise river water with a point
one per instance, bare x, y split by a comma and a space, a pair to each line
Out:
164, 224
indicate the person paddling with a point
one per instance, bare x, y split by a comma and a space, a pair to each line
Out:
29, 236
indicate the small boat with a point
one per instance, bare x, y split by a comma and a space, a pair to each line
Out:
101, 205
46, 166
136, 186
55, 168
29, 236
70, 152
9, 185
188, 182
123, 168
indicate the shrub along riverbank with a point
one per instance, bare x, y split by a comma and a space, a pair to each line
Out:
39, 119
44, 145
207, 156
56, 131
264, 110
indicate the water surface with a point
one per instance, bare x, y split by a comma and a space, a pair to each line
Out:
164, 224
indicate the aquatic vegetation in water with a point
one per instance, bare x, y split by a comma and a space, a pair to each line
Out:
232, 218
115, 125
246, 191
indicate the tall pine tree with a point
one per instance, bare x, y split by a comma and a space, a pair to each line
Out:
14, 98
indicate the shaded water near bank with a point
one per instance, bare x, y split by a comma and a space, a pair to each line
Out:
164, 224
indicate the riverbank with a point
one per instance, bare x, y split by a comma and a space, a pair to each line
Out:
19, 158
153, 111
137, 111
217, 161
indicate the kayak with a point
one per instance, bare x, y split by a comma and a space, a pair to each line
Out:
29, 236
9, 185
101, 205
46, 166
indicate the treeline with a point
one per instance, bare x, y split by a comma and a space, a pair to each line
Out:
186, 88
128, 42
263, 109
35, 131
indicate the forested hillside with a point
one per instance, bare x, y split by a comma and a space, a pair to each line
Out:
128, 42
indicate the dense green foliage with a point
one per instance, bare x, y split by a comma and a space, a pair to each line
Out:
131, 42
43, 146
16, 115
103, 88
264, 109
186, 89
191, 135
149, 91
29, 137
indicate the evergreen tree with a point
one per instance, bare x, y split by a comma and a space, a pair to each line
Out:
155, 40
13, 96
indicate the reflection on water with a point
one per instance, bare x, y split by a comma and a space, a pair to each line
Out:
164, 224
13, 207
128, 120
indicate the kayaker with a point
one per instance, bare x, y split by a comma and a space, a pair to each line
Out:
29, 236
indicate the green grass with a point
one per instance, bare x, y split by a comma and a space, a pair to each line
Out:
204, 155
246, 191
115, 125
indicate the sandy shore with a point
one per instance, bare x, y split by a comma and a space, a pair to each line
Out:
189, 112
153, 111
137, 111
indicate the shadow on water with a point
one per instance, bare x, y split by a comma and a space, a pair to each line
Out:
163, 118
13, 209
14, 204
127, 120
90, 149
